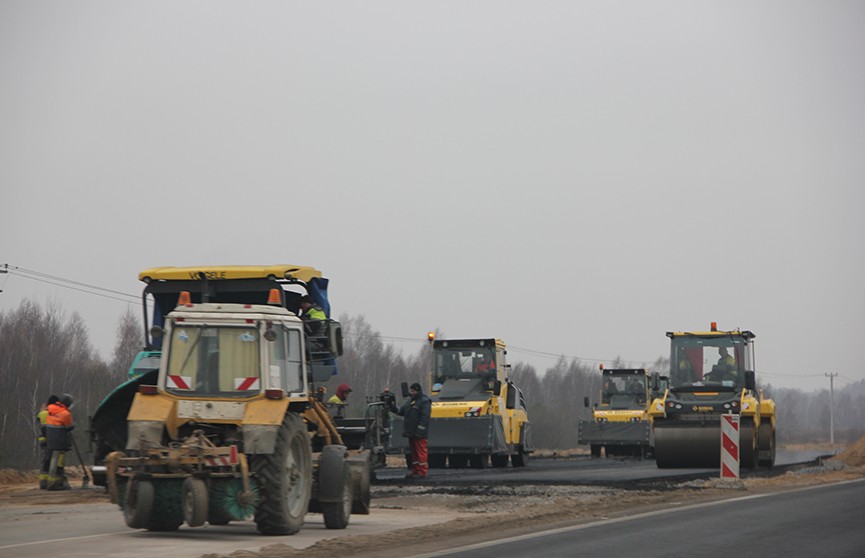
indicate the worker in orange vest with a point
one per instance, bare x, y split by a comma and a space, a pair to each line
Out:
58, 427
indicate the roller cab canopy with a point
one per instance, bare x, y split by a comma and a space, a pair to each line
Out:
218, 273
238, 284
717, 359
465, 358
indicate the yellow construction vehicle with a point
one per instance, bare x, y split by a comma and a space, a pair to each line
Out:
478, 416
712, 373
620, 423
223, 423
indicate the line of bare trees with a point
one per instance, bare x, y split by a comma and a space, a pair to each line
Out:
43, 351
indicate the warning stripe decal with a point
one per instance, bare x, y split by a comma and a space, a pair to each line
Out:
178, 382
245, 384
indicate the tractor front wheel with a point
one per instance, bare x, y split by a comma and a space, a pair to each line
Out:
285, 480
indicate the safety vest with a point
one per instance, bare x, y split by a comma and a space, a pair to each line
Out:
314, 313
42, 416
58, 415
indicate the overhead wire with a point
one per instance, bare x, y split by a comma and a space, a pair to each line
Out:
70, 284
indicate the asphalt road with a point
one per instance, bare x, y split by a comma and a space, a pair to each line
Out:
583, 470
825, 521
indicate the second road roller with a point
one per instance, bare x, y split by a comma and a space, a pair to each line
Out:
712, 373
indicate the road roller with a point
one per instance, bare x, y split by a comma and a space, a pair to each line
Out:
711, 373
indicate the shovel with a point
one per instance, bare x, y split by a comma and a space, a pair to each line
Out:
85, 484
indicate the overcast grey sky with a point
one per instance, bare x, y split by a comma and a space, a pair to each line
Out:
573, 177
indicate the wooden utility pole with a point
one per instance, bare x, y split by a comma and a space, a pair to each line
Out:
832, 408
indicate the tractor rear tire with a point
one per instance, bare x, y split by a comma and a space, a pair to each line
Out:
285, 480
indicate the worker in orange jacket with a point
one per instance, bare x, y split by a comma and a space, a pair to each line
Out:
58, 427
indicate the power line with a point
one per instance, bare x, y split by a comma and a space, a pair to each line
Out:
783, 375
68, 283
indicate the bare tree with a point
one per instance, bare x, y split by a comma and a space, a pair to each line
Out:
127, 344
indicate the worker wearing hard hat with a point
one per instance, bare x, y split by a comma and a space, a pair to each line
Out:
58, 427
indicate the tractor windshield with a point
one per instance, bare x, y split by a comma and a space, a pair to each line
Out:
213, 361
464, 363
715, 360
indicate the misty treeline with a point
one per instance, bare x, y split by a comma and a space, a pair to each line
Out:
44, 351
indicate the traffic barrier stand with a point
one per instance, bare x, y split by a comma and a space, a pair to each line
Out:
729, 446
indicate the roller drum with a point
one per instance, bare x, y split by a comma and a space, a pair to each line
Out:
684, 445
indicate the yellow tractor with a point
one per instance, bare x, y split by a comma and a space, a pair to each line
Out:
479, 415
620, 423
222, 425
712, 373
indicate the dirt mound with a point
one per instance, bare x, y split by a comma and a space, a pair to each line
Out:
14, 476
11, 476
854, 455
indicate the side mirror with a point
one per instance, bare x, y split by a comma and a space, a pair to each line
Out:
750, 380
156, 332
497, 388
512, 395
269, 334
404, 387
585, 401
334, 337
655, 381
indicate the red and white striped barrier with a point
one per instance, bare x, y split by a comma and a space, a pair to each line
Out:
222, 460
729, 446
